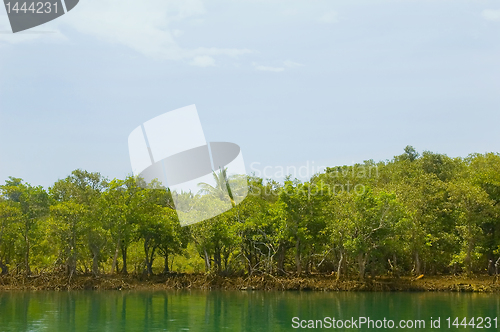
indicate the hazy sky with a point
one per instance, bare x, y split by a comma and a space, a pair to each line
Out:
291, 82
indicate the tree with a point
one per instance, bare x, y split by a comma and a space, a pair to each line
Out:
221, 190
68, 230
77, 220
10, 216
485, 172
371, 226
472, 209
121, 205
257, 228
33, 203
410, 153
171, 238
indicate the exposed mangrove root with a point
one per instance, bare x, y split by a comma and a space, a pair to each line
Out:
61, 282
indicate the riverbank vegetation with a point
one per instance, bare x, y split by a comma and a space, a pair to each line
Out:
414, 215
210, 281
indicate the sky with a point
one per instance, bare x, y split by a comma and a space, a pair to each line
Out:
294, 83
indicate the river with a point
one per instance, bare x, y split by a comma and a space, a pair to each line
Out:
244, 311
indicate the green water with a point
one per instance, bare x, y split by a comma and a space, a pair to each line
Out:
231, 311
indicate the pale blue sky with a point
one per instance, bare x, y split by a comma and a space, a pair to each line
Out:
291, 82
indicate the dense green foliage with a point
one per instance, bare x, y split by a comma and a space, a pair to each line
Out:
413, 214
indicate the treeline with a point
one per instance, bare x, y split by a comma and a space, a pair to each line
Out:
411, 215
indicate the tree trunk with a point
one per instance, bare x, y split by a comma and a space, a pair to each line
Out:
150, 263
297, 257
281, 259
217, 259
308, 264
497, 265
207, 260
396, 269
468, 258
248, 256
95, 263
226, 261
491, 267
149, 258
165, 267
124, 258
71, 262
71, 266
115, 257
339, 268
418, 267
362, 259
4, 267
27, 255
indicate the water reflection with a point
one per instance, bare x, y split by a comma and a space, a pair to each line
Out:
219, 311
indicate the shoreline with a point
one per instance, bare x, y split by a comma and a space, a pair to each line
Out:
55, 282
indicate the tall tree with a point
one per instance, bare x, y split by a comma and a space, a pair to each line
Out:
33, 203
76, 205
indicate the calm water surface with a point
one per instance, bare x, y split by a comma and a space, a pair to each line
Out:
229, 311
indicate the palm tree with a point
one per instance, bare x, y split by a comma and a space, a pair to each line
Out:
222, 189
